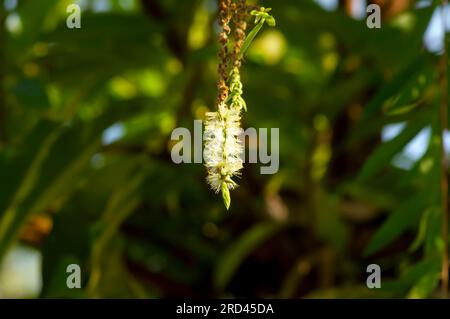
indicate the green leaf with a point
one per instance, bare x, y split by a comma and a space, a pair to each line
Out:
13, 217
395, 86
122, 203
412, 275
14, 165
422, 231
382, 156
52, 175
76, 230
425, 285
240, 249
407, 215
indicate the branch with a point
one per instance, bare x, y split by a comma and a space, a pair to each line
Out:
3, 137
444, 163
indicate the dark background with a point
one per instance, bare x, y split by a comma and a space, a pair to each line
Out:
86, 175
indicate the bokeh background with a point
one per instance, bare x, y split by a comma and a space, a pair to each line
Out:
86, 175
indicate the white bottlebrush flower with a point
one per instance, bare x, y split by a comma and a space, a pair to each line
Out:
223, 149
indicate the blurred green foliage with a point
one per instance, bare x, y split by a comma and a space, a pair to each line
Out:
86, 175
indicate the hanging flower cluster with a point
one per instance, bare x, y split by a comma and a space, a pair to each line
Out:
223, 147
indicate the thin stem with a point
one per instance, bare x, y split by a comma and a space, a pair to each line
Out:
444, 162
3, 138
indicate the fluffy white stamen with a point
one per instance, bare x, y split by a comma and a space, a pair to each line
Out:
223, 147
